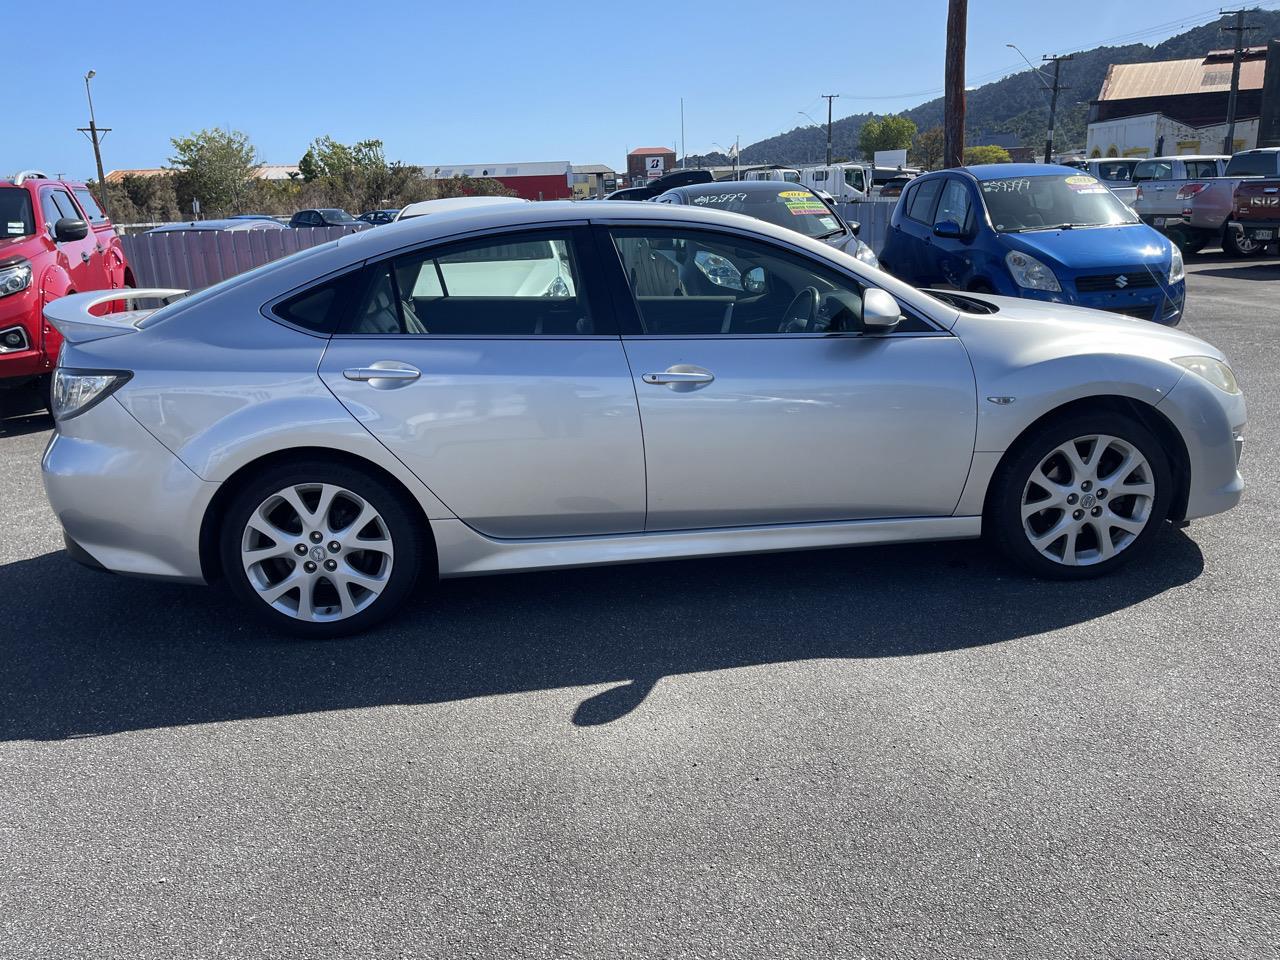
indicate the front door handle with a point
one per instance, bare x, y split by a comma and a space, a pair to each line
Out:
679, 375
84, 256
384, 374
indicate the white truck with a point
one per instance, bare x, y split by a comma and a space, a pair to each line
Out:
843, 182
1159, 181
786, 174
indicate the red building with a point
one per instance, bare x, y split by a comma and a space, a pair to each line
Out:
649, 163
547, 180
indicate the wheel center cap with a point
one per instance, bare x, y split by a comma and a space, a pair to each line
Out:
1087, 501
317, 554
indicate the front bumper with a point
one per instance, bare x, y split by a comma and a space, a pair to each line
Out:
1160, 304
20, 312
123, 498
1212, 425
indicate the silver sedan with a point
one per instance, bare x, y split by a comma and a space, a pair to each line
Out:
533, 386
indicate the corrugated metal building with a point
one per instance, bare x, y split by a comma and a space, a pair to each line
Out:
543, 180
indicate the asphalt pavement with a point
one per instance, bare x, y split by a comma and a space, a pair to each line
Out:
884, 752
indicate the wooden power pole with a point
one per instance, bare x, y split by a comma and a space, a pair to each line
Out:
953, 102
1240, 29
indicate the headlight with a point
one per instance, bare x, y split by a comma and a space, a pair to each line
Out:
718, 270
1177, 269
866, 255
1215, 371
75, 391
1030, 273
14, 277
558, 289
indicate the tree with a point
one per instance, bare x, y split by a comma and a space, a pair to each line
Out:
886, 133
927, 151
986, 154
215, 167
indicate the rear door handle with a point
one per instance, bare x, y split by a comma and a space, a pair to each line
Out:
679, 376
384, 373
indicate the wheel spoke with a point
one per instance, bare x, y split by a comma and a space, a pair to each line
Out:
1053, 534
321, 515
306, 606
252, 557
1126, 524
349, 576
1106, 549
1144, 489
274, 592
1069, 547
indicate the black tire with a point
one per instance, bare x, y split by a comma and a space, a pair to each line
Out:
403, 522
44, 388
981, 286
1189, 243
1231, 246
1002, 519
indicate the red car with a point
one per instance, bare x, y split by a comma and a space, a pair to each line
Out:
54, 240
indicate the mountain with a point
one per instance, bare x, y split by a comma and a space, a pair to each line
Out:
1016, 104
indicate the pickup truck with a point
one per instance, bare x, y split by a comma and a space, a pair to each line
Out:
1117, 174
1159, 181
1256, 218
1207, 204
54, 240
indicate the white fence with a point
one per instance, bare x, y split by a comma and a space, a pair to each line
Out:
191, 260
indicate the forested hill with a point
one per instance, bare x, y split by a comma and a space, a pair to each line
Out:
1017, 103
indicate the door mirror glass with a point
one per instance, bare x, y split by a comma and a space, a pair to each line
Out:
69, 228
880, 311
855, 227
948, 230
754, 281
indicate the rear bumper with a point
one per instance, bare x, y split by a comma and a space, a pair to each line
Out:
127, 503
1270, 229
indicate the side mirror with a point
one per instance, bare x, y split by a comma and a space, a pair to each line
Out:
880, 311
855, 227
69, 228
948, 230
753, 281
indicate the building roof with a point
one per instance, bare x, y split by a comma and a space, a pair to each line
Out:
644, 151
592, 168
266, 171
116, 176
1175, 78
544, 168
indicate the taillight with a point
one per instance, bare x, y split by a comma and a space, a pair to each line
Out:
1189, 190
1138, 195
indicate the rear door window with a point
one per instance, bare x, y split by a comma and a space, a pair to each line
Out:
923, 199
955, 205
90, 206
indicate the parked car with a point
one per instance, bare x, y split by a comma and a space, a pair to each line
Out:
376, 218
422, 400
229, 225
1207, 204
895, 186
1159, 184
1256, 220
426, 208
254, 216
773, 173
784, 204
326, 217
56, 240
677, 178
1037, 231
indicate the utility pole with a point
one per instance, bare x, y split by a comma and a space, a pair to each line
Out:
1053, 101
683, 154
953, 99
829, 97
96, 135
1240, 29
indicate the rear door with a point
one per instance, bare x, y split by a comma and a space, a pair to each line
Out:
915, 261
953, 256
106, 263
493, 369
761, 400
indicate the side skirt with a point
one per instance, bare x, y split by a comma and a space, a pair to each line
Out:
463, 552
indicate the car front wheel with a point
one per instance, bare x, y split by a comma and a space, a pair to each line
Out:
1080, 496
321, 549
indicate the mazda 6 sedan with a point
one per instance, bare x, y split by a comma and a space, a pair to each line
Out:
532, 386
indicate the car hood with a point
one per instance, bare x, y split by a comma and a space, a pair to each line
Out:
1030, 331
1095, 248
14, 246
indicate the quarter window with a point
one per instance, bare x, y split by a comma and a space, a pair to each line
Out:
529, 285
696, 283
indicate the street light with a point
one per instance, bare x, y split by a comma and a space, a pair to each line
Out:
1039, 75
94, 134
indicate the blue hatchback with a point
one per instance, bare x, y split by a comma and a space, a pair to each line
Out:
1033, 230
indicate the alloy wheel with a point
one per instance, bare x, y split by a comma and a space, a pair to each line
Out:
1087, 500
317, 552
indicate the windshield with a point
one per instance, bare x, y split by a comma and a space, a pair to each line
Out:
1017, 204
340, 215
800, 210
15, 213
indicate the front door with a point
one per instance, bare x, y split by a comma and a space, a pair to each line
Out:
495, 373
762, 401
75, 256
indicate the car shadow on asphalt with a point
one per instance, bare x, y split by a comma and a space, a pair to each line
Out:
87, 653
1244, 270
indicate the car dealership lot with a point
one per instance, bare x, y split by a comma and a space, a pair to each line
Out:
902, 751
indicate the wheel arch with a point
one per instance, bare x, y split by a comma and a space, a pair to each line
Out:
1149, 416
211, 523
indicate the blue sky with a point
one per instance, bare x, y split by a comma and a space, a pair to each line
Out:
502, 80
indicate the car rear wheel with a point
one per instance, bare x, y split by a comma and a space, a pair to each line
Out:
1080, 497
321, 549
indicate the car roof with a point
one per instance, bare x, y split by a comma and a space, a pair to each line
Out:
718, 187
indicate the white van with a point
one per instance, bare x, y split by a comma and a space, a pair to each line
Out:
843, 182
